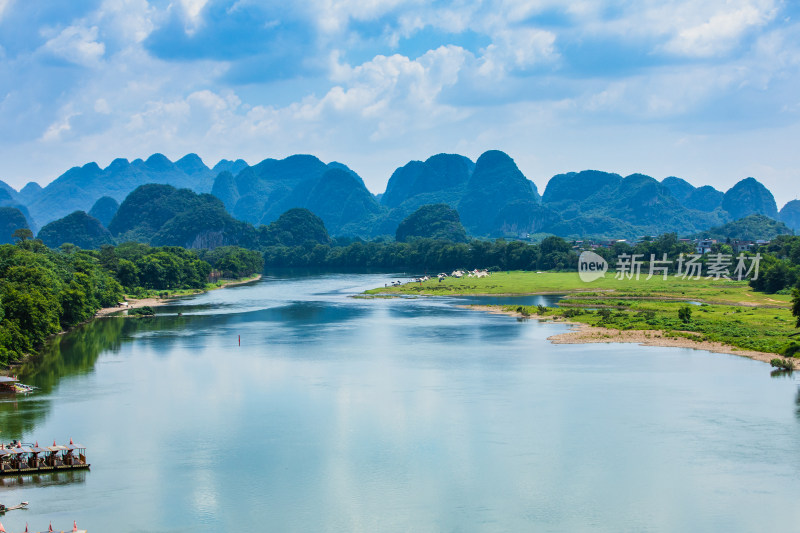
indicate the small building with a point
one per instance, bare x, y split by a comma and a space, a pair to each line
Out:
704, 245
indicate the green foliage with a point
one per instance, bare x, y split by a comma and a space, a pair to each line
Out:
749, 228
779, 269
233, 262
165, 216
685, 314
296, 227
796, 306
427, 255
156, 268
782, 364
145, 310
44, 291
792, 349
77, 228
438, 221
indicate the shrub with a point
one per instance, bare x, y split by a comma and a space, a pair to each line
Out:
685, 314
604, 314
791, 350
782, 364
145, 310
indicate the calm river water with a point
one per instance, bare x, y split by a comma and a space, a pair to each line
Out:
343, 414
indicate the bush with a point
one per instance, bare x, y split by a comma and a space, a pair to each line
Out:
791, 350
685, 314
782, 364
541, 309
145, 310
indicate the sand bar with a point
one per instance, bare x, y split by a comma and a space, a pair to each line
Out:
585, 334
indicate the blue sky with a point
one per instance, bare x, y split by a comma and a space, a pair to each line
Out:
707, 91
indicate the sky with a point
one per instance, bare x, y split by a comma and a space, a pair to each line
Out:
706, 91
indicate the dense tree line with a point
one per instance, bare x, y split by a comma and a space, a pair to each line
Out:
43, 291
428, 255
233, 262
780, 265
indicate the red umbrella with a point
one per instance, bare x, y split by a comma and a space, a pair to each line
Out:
2, 528
51, 527
74, 522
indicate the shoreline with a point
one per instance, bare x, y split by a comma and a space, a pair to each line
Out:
585, 334
116, 312
157, 302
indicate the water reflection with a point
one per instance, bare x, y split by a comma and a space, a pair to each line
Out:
45, 479
411, 415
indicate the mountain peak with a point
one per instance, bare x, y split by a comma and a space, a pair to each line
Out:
749, 197
191, 164
117, 165
159, 162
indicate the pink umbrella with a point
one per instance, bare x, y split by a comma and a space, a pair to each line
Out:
2, 528
50, 529
74, 522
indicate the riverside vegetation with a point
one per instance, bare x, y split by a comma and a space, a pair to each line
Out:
45, 291
724, 311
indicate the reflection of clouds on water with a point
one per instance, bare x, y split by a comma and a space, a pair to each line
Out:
400, 414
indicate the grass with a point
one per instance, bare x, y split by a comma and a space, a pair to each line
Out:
517, 282
730, 311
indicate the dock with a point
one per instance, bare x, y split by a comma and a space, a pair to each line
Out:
30, 459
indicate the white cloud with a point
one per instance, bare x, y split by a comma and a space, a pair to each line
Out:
78, 45
193, 10
720, 32
333, 16
393, 91
129, 21
518, 50
4, 5
57, 129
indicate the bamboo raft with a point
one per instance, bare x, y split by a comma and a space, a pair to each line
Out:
26, 459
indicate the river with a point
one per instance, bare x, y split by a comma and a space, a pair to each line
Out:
288, 405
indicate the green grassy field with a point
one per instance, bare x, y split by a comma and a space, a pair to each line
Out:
702, 290
728, 311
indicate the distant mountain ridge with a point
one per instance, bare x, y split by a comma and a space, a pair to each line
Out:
491, 195
80, 187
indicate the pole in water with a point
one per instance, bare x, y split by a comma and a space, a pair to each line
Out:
240, 340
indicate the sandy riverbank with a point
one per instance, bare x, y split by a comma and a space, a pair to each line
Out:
585, 334
155, 302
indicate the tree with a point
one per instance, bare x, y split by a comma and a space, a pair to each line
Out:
685, 314
22, 234
796, 305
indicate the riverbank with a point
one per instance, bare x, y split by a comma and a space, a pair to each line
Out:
133, 303
717, 315
582, 333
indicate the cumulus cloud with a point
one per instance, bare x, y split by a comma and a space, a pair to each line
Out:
721, 31
78, 45
381, 82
